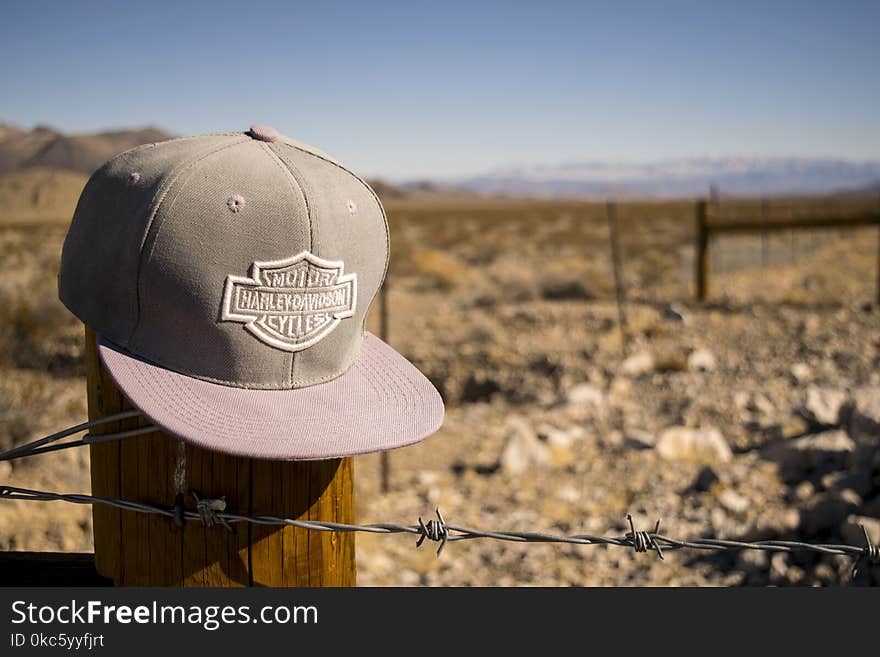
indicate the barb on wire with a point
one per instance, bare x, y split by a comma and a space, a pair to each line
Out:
440, 531
434, 530
871, 554
210, 511
644, 541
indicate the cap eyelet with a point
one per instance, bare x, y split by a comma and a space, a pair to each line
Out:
235, 203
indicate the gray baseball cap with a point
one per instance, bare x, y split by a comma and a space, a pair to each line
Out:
228, 277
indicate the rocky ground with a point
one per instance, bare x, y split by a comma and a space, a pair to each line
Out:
775, 442
754, 416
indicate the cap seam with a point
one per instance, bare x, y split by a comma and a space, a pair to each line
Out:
189, 400
299, 179
154, 360
153, 203
204, 416
375, 198
153, 144
158, 201
294, 181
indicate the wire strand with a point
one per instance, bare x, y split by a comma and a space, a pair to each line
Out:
211, 511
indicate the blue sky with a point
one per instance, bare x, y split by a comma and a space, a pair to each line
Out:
441, 89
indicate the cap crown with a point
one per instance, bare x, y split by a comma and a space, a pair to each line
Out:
228, 258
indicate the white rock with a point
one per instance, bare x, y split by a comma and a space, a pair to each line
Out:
427, 478
752, 560
638, 364
612, 439
559, 443
865, 418
832, 442
733, 501
742, 399
560, 437
378, 563
760, 404
686, 444
568, 494
409, 578
801, 372
828, 450
823, 404
522, 449
584, 393
718, 519
804, 491
620, 388
778, 566
639, 439
701, 360
560, 446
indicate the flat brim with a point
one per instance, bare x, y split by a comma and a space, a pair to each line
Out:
381, 402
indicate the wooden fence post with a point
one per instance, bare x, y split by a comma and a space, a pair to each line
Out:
715, 199
701, 257
617, 262
765, 245
385, 457
135, 549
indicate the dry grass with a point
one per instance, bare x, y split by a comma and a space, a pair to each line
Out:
39, 196
505, 302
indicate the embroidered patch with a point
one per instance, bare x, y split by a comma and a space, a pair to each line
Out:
291, 304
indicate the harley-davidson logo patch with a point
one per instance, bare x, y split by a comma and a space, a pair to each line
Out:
291, 304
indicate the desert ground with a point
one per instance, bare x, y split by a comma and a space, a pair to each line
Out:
754, 415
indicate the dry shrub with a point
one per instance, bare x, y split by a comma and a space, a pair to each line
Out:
670, 356
437, 270
507, 280
39, 334
36, 331
572, 279
523, 278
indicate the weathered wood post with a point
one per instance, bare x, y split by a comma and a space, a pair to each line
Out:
765, 245
135, 549
617, 263
701, 256
385, 457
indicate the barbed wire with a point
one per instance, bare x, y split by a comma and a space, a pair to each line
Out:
211, 512
44, 445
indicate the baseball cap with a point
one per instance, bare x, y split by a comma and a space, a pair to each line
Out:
228, 277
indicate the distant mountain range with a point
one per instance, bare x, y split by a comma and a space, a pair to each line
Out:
678, 178
46, 148
42, 170
25, 152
